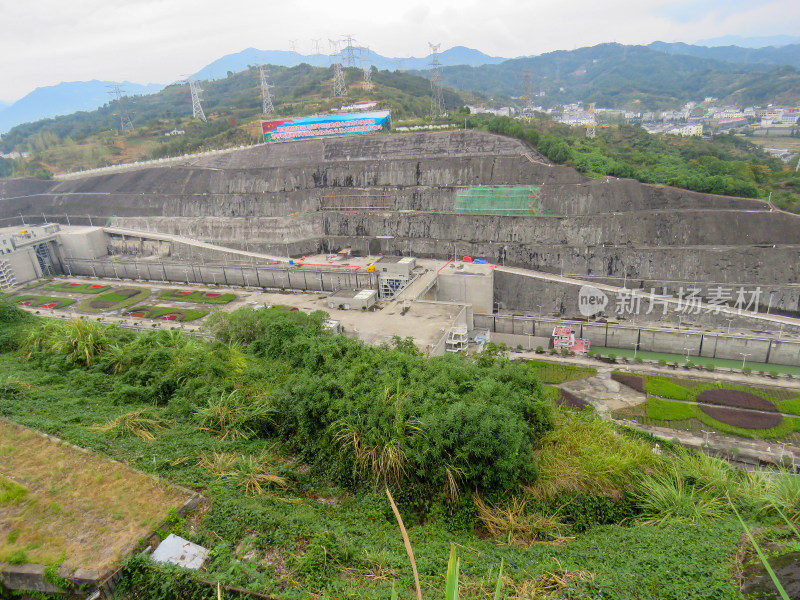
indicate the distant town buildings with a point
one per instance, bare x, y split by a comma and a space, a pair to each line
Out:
503, 111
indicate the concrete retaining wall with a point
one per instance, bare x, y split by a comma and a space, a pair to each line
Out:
286, 278
709, 345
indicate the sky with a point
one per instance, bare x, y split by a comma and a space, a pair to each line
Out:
44, 42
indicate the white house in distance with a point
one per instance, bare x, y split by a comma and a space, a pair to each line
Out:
564, 337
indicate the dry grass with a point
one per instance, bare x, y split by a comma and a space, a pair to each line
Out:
132, 423
552, 582
249, 472
375, 567
78, 505
515, 525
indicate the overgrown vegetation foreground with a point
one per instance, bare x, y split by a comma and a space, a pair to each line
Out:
292, 433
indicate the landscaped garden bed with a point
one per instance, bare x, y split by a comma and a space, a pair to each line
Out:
166, 313
79, 288
632, 381
114, 300
197, 296
43, 301
746, 419
566, 398
735, 399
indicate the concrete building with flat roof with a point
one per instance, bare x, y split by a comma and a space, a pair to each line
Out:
395, 265
353, 299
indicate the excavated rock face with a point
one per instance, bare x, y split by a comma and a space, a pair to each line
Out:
398, 193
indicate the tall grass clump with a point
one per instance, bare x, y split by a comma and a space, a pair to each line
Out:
585, 454
668, 497
137, 423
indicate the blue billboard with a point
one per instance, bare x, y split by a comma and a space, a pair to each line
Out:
326, 125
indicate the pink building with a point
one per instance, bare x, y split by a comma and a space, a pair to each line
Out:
564, 337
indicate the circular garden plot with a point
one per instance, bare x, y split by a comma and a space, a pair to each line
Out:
112, 299
43, 301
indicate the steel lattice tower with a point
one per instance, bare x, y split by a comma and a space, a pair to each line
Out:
348, 52
437, 101
125, 123
266, 97
527, 97
339, 85
367, 68
197, 108
315, 42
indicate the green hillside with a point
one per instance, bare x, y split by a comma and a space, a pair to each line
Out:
635, 77
232, 106
723, 164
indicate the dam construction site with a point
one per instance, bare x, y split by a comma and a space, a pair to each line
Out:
486, 224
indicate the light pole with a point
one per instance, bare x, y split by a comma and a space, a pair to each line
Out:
769, 305
729, 324
680, 319
687, 353
744, 358
708, 436
540, 310
635, 349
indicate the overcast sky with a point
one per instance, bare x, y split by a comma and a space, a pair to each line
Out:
44, 42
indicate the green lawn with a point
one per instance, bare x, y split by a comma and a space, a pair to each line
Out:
554, 373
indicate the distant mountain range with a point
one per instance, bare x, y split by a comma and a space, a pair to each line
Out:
64, 99
233, 63
657, 75
640, 77
751, 42
785, 55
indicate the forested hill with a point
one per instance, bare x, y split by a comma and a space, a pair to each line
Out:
232, 105
637, 77
783, 55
